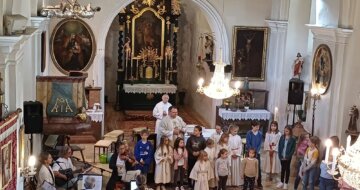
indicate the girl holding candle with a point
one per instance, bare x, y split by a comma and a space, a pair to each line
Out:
308, 167
272, 163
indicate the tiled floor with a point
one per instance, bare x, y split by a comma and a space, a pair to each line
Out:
88, 154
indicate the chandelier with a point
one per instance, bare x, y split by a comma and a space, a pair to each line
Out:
219, 85
347, 162
69, 9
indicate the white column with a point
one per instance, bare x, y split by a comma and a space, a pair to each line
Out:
330, 109
276, 54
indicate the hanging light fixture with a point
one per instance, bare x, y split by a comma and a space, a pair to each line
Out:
69, 9
219, 87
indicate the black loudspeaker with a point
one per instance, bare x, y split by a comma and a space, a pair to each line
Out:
33, 117
296, 91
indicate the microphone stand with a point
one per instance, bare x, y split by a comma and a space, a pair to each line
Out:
102, 170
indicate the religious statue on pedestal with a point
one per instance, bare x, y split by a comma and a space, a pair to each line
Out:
354, 116
299, 61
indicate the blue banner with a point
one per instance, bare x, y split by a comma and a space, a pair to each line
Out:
61, 103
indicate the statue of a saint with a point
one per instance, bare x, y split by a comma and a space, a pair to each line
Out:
299, 61
354, 116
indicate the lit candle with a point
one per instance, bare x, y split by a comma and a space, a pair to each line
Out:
348, 140
335, 153
276, 114
328, 144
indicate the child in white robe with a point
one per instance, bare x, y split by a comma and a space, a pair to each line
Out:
210, 150
202, 172
235, 145
271, 164
163, 160
218, 132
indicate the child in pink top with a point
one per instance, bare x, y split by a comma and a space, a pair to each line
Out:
180, 164
301, 147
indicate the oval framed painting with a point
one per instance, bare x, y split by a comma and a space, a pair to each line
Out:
72, 46
322, 67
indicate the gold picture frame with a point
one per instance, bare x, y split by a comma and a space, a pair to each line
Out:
146, 31
322, 67
249, 53
6, 164
72, 45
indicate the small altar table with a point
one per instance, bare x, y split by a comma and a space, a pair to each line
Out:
248, 115
145, 96
243, 119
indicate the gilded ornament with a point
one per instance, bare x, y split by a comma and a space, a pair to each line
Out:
176, 29
148, 54
175, 7
161, 9
134, 9
121, 27
148, 2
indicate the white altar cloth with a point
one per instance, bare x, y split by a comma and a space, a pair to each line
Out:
96, 116
150, 88
248, 115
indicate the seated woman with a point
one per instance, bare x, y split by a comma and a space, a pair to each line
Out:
45, 173
120, 162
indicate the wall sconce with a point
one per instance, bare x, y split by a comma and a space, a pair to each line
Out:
30, 171
316, 92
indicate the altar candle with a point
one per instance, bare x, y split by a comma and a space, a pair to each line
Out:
171, 62
166, 66
276, 114
335, 153
131, 69
137, 68
160, 68
327, 145
348, 140
43, 3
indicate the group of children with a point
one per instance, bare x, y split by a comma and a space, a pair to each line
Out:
218, 161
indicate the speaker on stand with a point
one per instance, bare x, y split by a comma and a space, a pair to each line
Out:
33, 119
295, 94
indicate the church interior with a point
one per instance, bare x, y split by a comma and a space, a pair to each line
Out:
93, 75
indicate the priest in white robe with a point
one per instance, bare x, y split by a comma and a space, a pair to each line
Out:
171, 125
160, 111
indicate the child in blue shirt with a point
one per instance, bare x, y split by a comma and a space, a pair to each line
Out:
254, 140
144, 152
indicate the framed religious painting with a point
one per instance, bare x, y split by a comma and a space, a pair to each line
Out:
72, 45
322, 67
6, 166
249, 52
148, 29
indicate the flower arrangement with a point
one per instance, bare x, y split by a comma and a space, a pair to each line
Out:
245, 99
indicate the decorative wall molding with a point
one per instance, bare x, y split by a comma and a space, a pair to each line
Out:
277, 25
275, 66
330, 34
